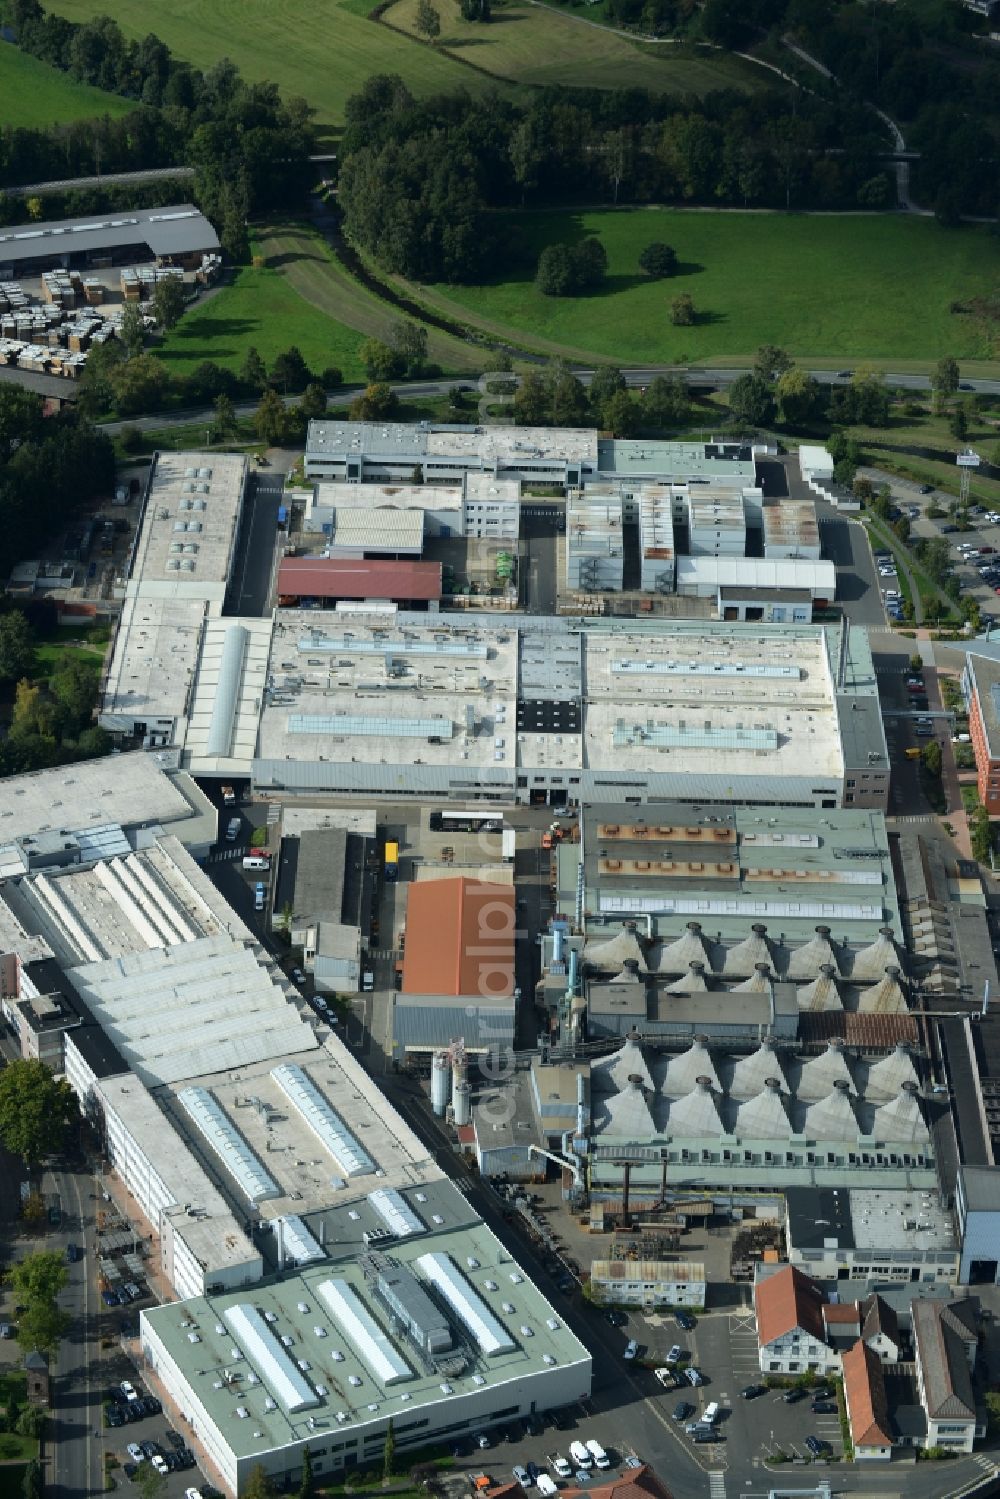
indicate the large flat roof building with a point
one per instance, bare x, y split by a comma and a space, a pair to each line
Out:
326, 1358
380, 452
571, 709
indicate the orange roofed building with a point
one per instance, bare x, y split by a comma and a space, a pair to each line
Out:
458, 966
867, 1408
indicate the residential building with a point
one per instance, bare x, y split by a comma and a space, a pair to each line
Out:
945, 1341
791, 1337
872, 1433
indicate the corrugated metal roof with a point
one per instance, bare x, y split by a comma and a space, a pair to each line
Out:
422, 1023
459, 939
180, 229
336, 578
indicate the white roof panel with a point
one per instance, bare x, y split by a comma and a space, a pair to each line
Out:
220, 1134
327, 1125
374, 1346
445, 1276
395, 1212
277, 1371
299, 1244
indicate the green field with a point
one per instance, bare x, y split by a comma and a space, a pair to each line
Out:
320, 50
534, 44
300, 295
323, 50
852, 286
34, 95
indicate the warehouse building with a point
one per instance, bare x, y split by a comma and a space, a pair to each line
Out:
553, 710
595, 549
891, 1233
717, 523
177, 235
438, 1331
483, 507
304, 580
458, 967
378, 452
791, 530
759, 588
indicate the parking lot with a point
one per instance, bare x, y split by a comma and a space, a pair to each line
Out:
135, 1430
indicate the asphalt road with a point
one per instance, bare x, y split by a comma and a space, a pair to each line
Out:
716, 379
538, 558
845, 543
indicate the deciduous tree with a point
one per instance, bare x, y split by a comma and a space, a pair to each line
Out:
17, 649
428, 21
751, 400
658, 260
682, 313
35, 1110
169, 302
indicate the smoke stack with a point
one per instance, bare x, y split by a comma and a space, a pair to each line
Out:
704, 1084
773, 1084
822, 931
759, 928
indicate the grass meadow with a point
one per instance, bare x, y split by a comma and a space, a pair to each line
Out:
33, 95
847, 287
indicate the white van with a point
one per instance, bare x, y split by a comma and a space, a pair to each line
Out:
545, 1486
598, 1453
254, 861
580, 1455
711, 1413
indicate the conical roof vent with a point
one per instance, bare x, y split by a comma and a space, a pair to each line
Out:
815, 955
884, 998
833, 1117
630, 974
688, 948
901, 1121
819, 1074
765, 1116
628, 1115
696, 1113
611, 1073
759, 981
871, 962
752, 1074
692, 982
885, 1078
822, 993
611, 955
742, 959
684, 1071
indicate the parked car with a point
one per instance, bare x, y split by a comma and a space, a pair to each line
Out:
232, 829
72, 1253
682, 1410
823, 1408
617, 1319
684, 1321
794, 1395
482, 1440
521, 1477
817, 1446
135, 1452
128, 1390
693, 1375
633, 1462
631, 1349
752, 1391
674, 1354
561, 1467
160, 1464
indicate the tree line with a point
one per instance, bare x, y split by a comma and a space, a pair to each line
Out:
249, 147
420, 180
920, 64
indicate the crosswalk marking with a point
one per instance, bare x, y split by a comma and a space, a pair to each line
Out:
717, 1485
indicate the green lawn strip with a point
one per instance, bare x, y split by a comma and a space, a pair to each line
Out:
943, 476
33, 95
77, 642
930, 593
320, 50
321, 278
859, 286
187, 437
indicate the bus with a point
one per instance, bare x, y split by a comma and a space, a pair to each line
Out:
391, 860
464, 821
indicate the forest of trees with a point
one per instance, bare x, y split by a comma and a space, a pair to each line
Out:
420, 180
249, 147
